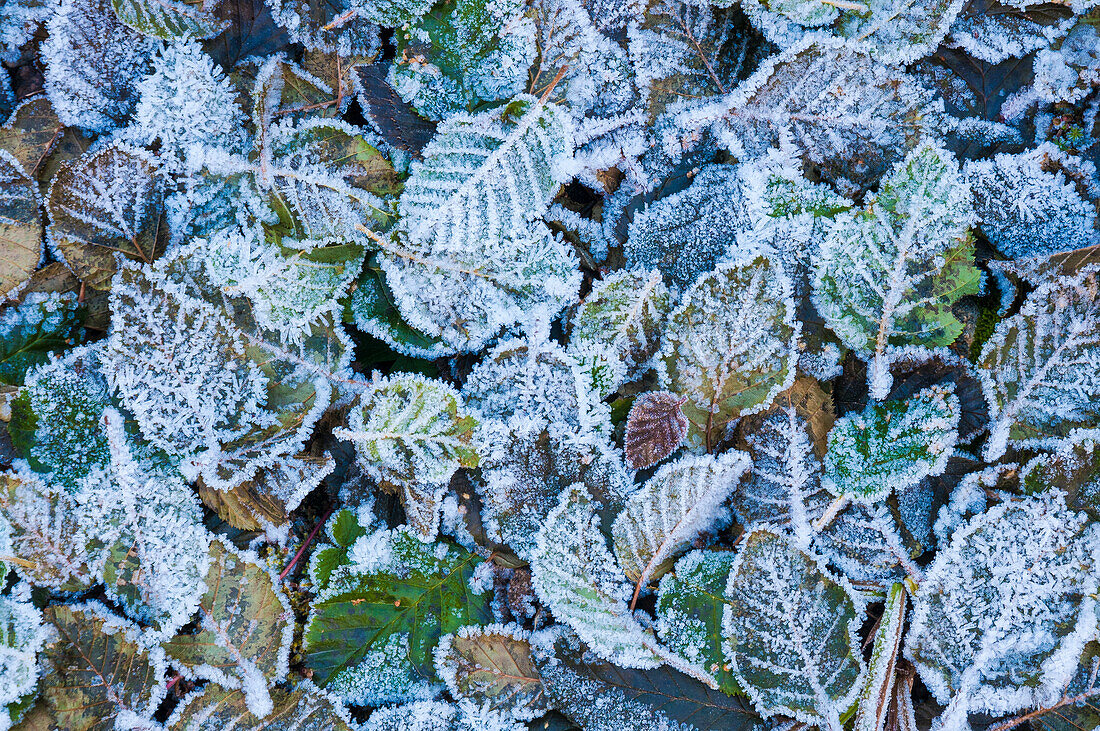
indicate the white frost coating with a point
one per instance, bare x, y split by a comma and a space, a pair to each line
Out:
793, 627
21, 637
1005, 610
93, 63
971, 497
1041, 367
186, 100
133, 507
675, 505
888, 274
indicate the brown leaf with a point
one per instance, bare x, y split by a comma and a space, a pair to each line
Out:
31, 133
20, 226
655, 428
493, 668
810, 402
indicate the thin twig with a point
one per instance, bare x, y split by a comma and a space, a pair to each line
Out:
309, 539
830, 513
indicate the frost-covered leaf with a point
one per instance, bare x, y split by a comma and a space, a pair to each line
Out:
1040, 370
685, 234
441, 716
342, 26
994, 31
21, 638
730, 346
244, 629
461, 54
20, 225
103, 204
874, 701
893, 446
576, 575
889, 273
395, 119
41, 324
625, 313
414, 433
1073, 468
784, 485
31, 133
145, 537
214, 388
468, 235
306, 708
93, 62
839, 108
1005, 610
373, 628
292, 285
492, 666
98, 670
209, 113
1070, 73
534, 379
790, 633
524, 469
42, 524
685, 52
168, 18
602, 696
1026, 207
56, 418
690, 603
655, 428
669, 511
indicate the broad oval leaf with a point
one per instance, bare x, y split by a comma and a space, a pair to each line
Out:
1005, 610
492, 667
106, 203
791, 633
626, 313
98, 669
731, 345
655, 427
662, 518
372, 630
244, 629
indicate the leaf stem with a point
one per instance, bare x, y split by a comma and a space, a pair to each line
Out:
830, 513
305, 544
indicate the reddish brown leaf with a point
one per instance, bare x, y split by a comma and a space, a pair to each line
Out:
655, 428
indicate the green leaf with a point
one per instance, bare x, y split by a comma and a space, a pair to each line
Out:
168, 18
31, 330
893, 446
459, 54
56, 418
601, 696
730, 346
414, 433
21, 638
880, 280
690, 604
20, 225
373, 309
373, 629
625, 313
306, 708
105, 203
791, 633
98, 668
1074, 468
244, 629
492, 667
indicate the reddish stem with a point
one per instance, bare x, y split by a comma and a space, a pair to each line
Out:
173, 681
309, 539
